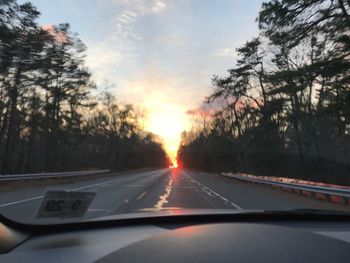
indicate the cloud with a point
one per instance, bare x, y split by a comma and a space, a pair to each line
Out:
102, 61
121, 46
209, 109
225, 53
153, 81
59, 36
146, 7
172, 39
158, 6
206, 109
142, 7
133, 10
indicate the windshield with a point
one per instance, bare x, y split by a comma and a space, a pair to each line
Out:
118, 107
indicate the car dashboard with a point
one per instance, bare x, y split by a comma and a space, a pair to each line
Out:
188, 239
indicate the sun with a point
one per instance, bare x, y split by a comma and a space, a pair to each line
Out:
169, 128
166, 126
168, 121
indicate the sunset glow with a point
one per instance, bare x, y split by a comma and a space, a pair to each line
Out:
154, 60
166, 110
168, 121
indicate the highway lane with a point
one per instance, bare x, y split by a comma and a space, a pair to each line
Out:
181, 189
111, 193
159, 190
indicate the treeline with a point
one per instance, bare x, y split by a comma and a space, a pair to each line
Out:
50, 116
285, 106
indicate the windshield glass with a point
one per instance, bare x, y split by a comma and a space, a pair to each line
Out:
118, 107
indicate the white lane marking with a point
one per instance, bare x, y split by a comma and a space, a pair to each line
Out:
141, 195
211, 192
93, 185
163, 199
21, 201
41, 196
73, 189
199, 192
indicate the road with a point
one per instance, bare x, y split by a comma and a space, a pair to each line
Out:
157, 190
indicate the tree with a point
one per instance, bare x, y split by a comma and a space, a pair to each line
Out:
49, 119
285, 105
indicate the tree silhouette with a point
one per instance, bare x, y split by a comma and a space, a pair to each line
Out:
287, 100
49, 120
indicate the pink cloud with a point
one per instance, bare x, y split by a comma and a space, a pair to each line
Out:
209, 109
60, 37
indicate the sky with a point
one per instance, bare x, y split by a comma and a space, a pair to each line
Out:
158, 54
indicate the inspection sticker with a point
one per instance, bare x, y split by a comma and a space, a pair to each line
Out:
58, 204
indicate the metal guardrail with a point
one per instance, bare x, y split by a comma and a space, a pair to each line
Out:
310, 188
4, 178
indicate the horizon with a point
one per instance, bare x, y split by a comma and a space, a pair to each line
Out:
145, 55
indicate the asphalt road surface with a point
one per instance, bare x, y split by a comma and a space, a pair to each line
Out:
158, 190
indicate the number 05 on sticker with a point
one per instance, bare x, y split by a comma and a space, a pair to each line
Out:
58, 204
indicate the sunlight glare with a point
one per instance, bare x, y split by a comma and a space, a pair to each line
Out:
166, 120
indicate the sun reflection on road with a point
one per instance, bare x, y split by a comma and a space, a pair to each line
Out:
164, 198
